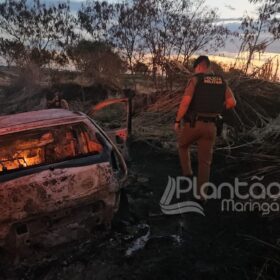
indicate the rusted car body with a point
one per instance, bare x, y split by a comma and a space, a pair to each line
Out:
60, 179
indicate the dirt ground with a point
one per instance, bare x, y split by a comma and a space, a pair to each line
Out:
145, 244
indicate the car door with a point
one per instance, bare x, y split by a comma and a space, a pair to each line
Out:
114, 116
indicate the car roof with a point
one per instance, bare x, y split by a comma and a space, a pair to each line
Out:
36, 119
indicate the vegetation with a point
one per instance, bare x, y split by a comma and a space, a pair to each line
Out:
32, 32
141, 33
97, 61
267, 21
151, 44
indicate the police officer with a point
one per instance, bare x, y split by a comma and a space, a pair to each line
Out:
54, 100
205, 98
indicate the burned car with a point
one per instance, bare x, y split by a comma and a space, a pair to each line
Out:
60, 178
115, 116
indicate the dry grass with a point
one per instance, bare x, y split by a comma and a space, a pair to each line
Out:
258, 111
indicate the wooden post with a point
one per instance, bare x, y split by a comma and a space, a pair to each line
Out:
129, 117
129, 93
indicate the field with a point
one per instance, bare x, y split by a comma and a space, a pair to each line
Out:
146, 244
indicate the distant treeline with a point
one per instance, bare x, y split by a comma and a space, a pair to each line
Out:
104, 39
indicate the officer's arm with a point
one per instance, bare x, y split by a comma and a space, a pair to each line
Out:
186, 100
64, 104
230, 99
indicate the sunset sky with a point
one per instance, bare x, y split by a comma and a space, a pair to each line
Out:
230, 12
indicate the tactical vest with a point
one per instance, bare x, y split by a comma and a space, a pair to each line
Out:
55, 105
209, 95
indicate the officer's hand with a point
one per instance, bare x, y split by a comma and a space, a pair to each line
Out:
176, 127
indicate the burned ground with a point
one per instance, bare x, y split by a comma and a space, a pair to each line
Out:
146, 244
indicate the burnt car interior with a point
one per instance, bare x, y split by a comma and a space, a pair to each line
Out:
46, 146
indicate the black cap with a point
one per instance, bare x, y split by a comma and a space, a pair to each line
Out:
202, 58
52, 93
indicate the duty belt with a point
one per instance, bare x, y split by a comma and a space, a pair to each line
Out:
206, 119
202, 118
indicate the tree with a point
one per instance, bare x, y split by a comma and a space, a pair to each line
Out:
97, 61
141, 68
126, 33
160, 24
40, 31
117, 24
159, 29
12, 51
199, 31
179, 29
96, 17
267, 23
